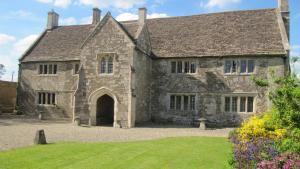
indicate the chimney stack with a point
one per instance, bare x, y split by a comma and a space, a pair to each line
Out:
283, 6
142, 16
52, 20
96, 15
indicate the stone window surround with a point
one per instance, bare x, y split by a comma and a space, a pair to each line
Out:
238, 66
239, 95
107, 56
182, 101
46, 98
190, 61
51, 63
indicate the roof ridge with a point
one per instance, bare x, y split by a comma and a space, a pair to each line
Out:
202, 14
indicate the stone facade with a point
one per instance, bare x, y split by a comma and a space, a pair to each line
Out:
8, 94
139, 82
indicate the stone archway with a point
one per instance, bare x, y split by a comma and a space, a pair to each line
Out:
105, 111
98, 96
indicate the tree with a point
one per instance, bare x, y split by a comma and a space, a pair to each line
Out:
2, 70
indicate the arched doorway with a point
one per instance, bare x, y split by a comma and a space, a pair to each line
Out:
105, 111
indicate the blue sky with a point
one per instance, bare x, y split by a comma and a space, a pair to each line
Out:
21, 21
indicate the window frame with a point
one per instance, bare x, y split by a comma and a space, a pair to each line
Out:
75, 67
173, 104
238, 66
183, 67
106, 57
239, 96
46, 98
47, 69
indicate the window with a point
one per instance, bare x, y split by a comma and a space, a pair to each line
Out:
250, 104
234, 104
45, 98
192, 102
193, 68
173, 67
103, 65
187, 102
227, 104
178, 102
243, 104
250, 66
41, 69
179, 67
227, 66
186, 67
239, 104
110, 65
172, 102
45, 69
106, 64
244, 66
48, 69
183, 67
76, 68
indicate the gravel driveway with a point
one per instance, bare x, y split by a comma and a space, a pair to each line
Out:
20, 132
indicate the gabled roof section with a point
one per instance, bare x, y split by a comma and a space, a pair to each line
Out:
101, 24
253, 32
60, 44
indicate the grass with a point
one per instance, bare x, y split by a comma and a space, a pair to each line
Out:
170, 153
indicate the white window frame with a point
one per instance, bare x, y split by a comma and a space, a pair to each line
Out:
181, 95
238, 66
183, 66
239, 103
43, 69
106, 56
46, 98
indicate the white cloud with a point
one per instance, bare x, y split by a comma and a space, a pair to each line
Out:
86, 20
130, 16
68, 21
23, 44
58, 3
11, 51
4, 39
218, 3
119, 4
295, 50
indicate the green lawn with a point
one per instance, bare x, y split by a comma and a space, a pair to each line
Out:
170, 153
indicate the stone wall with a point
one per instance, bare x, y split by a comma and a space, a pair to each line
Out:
63, 84
8, 93
109, 39
210, 85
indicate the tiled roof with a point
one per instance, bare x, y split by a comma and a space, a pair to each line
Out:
252, 32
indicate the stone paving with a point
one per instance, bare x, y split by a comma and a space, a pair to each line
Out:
20, 132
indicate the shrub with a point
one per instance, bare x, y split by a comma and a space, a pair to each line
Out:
260, 126
283, 161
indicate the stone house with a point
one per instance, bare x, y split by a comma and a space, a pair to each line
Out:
164, 70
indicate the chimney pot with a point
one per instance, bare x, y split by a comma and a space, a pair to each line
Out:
52, 20
96, 15
142, 16
283, 5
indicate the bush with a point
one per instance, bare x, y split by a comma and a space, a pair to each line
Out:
271, 140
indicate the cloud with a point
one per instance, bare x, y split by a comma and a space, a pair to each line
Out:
130, 16
221, 4
68, 21
119, 4
11, 51
86, 20
23, 44
295, 50
4, 39
58, 3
